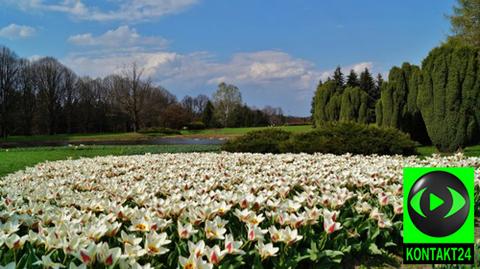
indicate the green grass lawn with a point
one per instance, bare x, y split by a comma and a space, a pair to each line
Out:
138, 136
79, 137
241, 131
473, 151
12, 160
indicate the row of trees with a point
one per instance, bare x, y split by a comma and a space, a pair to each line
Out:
46, 97
439, 102
351, 99
436, 103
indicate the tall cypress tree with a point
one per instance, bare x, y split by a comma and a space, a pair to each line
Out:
312, 109
398, 104
351, 104
354, 105
327, 103
449, 96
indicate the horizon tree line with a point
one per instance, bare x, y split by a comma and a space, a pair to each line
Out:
45, 97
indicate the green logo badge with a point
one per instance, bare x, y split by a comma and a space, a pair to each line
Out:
438, 215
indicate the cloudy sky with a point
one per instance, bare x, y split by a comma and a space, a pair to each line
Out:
275, 51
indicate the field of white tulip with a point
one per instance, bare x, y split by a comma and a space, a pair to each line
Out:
206, 210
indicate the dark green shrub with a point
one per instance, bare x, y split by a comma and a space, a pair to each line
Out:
263, 141
341, 138
196, 125
336, 138
159, 130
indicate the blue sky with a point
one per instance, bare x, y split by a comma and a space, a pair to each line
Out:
275, 51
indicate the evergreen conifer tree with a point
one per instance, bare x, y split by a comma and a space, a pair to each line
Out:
352, 79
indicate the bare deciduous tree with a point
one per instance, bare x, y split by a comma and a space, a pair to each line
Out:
50, 77
8, 74
27, 93
70, 99
131, 92
199, 104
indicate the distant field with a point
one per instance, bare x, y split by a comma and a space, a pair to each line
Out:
138, 136
12, 160
241, 131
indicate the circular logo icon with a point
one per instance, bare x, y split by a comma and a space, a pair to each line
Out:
438, 204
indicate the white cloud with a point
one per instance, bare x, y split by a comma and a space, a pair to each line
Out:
123, 36
265, 77
264, 69
14, 31
360, 67
35, 57
98, 65
123, 10
200, 68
